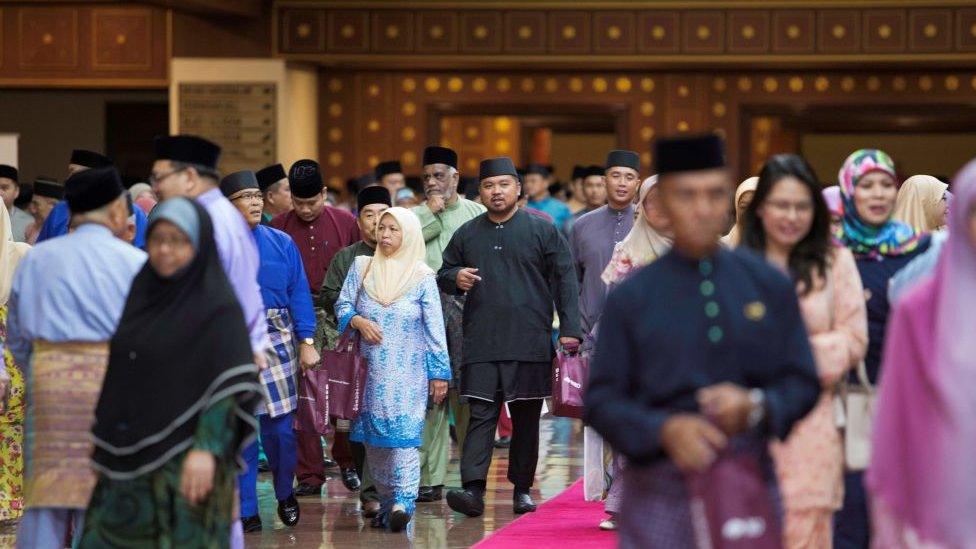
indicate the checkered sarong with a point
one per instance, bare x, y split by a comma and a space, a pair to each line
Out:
279, 381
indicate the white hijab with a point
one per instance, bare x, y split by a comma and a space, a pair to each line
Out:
10, 254
641, 246
388, 278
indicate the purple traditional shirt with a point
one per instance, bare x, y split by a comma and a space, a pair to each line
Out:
239, 255
592, 240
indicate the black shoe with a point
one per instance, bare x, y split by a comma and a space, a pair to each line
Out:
289, 512
430, 494
522, 503
466, 502
399, 520
304, 490
371, 508
330, 463
504, 442
263, 466
350, 480
251, 524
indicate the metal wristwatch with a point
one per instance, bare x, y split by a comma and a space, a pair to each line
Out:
309, 341
758, 413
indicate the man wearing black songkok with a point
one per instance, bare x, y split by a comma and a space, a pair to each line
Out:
389, 174
702, 355
57, 222
273, 183
513, 266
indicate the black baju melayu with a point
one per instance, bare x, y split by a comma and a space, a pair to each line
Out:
526, 268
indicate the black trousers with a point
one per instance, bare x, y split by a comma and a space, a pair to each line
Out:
479, 442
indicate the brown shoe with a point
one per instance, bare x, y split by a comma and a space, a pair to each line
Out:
371, 508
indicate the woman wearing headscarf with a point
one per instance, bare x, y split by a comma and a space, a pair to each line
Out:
788, 223
835, 206
924, 439
392, 300
922, 203
743, 196
647, 240
177, 406
11, 411
881, 247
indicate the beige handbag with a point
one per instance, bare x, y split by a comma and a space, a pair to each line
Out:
858, 403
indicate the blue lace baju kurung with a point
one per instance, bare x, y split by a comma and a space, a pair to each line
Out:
413, 352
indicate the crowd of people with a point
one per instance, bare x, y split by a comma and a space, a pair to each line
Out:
156, 340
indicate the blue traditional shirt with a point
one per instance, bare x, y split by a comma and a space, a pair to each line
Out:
413, 352
59, 219
282, 278
556, 209
71, 288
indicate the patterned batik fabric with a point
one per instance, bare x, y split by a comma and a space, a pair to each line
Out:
413, 352
396, 475
64, 383
11, 437
150, 511
281, 393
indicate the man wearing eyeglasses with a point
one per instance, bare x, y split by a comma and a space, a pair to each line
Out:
290, 319
440, 216
186, 165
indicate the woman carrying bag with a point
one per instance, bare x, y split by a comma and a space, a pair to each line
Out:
392, 300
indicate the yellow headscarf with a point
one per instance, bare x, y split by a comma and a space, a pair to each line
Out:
388, 278
920, 203
735, 235
10, 254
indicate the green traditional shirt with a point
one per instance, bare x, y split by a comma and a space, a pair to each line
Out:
439, 228
332, 285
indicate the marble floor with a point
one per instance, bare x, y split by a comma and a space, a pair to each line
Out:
334, 519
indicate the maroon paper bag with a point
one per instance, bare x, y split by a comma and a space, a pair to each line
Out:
569, 372
731, 507
346, 370
312, 414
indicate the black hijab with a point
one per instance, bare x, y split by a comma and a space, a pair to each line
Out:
181, 346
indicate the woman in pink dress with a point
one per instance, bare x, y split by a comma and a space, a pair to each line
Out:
789, 223
921, 481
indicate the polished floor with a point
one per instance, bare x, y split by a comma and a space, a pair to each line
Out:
334, 519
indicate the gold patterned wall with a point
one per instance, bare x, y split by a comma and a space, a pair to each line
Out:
368, 116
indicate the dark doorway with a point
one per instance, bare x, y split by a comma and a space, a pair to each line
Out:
129, 132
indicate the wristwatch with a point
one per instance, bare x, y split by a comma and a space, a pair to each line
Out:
758, 413
309, 341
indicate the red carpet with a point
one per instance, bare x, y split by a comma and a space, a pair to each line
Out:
566, 520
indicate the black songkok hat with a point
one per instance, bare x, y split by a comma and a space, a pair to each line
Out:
491, 167
593, 169
49, 187
237, 182
90, 159
386, 168
377, 194
9, 172
305, 178
689, 154
91, 189
470, 187
187, 148
270, 175
537, 169
626, 159
578, 172
440, 155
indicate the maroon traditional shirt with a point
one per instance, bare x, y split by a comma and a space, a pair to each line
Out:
319, 240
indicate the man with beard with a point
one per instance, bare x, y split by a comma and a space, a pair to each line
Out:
513, 267
440, 216
320, 231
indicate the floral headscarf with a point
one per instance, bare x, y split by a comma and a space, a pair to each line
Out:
891, 239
